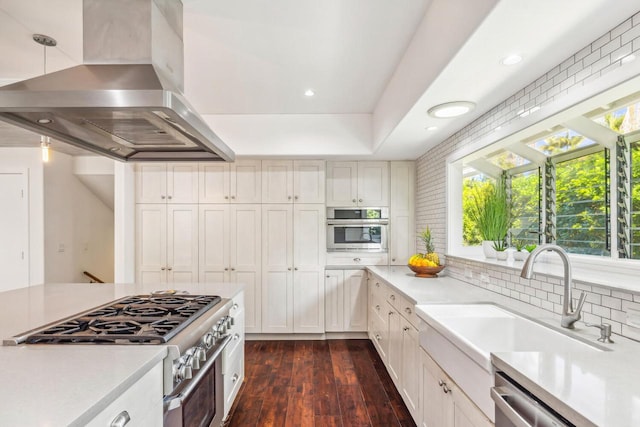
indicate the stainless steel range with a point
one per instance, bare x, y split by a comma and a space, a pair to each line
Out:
194, 328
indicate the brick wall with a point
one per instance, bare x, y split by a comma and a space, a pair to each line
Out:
589, 64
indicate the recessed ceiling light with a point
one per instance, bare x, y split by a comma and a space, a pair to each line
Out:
498, 128
451, 109
431, 128
511, 60
309, 92
45, 121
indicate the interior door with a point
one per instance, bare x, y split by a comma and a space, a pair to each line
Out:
14, 229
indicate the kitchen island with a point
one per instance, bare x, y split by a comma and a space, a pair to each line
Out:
71, 384
594, 388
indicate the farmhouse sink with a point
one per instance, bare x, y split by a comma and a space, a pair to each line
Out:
481, 329
461, 338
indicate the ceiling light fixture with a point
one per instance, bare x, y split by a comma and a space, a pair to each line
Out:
511, 60
432, 128
309, 92
45, 42
451, 109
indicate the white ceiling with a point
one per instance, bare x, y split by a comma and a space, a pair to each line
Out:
376, 65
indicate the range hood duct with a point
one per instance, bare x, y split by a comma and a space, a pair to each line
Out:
125, 102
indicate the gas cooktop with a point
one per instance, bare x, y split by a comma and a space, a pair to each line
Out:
140, 319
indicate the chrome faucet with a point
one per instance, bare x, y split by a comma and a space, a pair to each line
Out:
569, 315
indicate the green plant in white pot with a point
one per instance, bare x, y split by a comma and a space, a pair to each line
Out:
490, 212
520, 253
500, 246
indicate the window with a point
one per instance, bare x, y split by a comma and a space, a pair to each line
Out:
472, 182
582, 205
635, 201
525, 202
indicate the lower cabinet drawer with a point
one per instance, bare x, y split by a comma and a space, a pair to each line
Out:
233, 378
142, 403
379, 335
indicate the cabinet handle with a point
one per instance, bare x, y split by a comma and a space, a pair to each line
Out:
391, 313
169, 197
226, 269
226, 197
295, 268
296, 198
233, 197
354, 200
121, 420
440, 383
393, 260
407, 310
360, 200
377, 284
236, 337
378, 337
289, 268
235, 306
162, 197
233, 269
406, 329
235, 378
392, 297
162, 268
288, 197
378, 307
357, 259
445, 388
328, 277
169, 268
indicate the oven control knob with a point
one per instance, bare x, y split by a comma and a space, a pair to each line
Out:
228, 321
184, 371
192, 360
200, 354
209, 340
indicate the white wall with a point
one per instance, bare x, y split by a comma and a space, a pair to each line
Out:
30, 158
79, 227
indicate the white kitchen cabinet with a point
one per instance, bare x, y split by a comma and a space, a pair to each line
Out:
402, 235
239, 182
358, 184
444, 404
357, 258
167, 243
293, 181
167, 183
233, 356
230, 251
393, 331
345, 301
142, 403
293, 244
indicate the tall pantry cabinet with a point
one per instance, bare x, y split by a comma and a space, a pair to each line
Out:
167, 223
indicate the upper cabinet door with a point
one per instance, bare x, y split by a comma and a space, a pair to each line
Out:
151, 183
277, 181
246, 181
182, 183
214, 182
373, 184
342, 184
402, 235
308, 181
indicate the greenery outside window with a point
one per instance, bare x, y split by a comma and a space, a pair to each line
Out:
525, 200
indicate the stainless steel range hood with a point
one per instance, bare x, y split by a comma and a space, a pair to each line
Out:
125, 102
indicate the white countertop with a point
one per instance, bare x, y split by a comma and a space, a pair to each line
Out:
598, 388
56, 385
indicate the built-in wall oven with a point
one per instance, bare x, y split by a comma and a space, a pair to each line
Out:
357, 229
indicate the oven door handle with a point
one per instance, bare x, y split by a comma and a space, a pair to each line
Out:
175, 401
358, 222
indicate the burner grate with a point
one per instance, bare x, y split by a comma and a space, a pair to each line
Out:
140, 319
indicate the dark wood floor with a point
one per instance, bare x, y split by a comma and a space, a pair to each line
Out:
317, 383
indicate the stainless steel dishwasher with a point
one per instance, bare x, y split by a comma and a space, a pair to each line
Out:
516, 407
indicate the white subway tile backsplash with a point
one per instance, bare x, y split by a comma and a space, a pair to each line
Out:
587, 65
